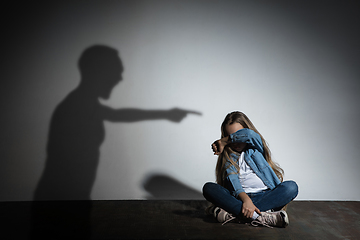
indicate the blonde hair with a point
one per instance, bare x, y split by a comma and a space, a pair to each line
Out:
239, 117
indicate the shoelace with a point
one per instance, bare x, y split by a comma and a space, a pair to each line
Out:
256, 223
266, 218
229, 219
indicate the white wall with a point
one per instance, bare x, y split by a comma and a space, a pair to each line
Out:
293, 69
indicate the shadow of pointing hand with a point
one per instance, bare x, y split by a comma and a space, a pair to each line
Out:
177, 114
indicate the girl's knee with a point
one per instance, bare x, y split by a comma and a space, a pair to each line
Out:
291, 187
207, 186
206, 190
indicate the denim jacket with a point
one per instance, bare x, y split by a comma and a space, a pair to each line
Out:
253, 155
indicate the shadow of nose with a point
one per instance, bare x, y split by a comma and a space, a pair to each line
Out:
118, 80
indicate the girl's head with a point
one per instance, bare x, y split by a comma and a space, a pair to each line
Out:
235, 117
233, 122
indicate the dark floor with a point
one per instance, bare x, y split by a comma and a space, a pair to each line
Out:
181, 219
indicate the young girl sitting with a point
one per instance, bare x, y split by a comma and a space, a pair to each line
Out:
250, 185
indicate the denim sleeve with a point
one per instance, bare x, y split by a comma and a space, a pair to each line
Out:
233, 182
249, 137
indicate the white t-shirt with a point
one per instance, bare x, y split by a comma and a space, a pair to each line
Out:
250, 182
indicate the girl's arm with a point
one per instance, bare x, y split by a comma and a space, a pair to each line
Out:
248, 207
236, 190
248, 136
245, 135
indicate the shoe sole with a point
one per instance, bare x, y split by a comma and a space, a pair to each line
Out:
285, 218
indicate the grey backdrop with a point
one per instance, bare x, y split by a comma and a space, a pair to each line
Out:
293, 68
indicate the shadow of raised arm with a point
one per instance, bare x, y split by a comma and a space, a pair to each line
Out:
177, 114
135, 115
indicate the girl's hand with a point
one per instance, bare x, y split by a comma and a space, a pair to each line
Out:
248, 209
218, 145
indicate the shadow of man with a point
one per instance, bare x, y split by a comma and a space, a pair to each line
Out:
75, 136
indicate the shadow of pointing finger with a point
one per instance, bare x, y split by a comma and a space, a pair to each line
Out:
163, 187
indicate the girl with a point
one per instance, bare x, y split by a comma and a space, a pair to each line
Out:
249, 184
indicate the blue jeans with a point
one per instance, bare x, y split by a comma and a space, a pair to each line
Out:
265, 200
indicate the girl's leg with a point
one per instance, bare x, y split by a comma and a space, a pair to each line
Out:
277, 198
221, 197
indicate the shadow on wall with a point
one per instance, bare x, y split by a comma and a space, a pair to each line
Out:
77, 132
162, 187
77, 127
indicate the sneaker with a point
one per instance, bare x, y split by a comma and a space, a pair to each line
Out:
210, 210
223, 216
272, 219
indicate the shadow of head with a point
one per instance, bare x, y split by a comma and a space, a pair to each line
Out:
101, 69
163, 187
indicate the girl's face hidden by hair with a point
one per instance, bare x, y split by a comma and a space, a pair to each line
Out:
232, 128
